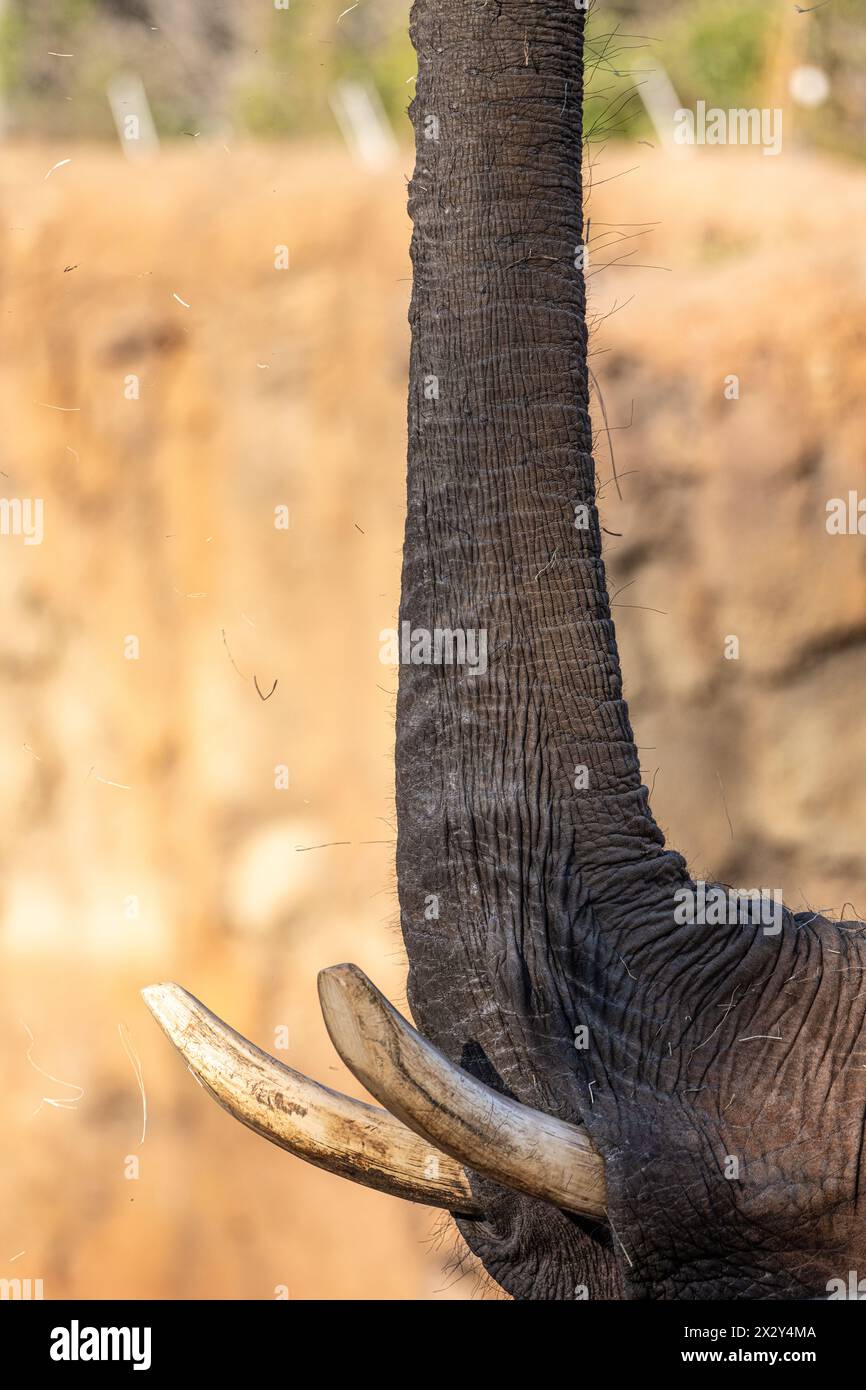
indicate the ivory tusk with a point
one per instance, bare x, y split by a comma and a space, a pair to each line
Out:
327, 1129
499, 1138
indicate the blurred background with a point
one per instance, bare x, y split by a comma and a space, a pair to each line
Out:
205, 280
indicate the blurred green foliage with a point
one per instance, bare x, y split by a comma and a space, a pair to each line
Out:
730, 53
720, 50
287, 92
222, 66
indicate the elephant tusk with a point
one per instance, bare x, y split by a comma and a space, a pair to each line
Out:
499, 1138
329, 1130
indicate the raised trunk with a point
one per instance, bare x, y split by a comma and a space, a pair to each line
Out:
521, 812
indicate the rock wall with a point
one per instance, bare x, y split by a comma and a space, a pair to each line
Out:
166, 389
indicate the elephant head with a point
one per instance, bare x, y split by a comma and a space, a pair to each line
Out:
625, 1084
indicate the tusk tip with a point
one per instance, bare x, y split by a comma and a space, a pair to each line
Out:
342, 972
346, 995
336, 981
345, 986
171, 1006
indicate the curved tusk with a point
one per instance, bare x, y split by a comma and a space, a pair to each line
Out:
497, 1137
330, 1130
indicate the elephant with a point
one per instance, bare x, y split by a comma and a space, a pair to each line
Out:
624, 1084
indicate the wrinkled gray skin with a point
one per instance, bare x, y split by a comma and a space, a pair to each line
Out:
555, 905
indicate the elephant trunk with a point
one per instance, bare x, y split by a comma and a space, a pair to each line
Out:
519, 795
